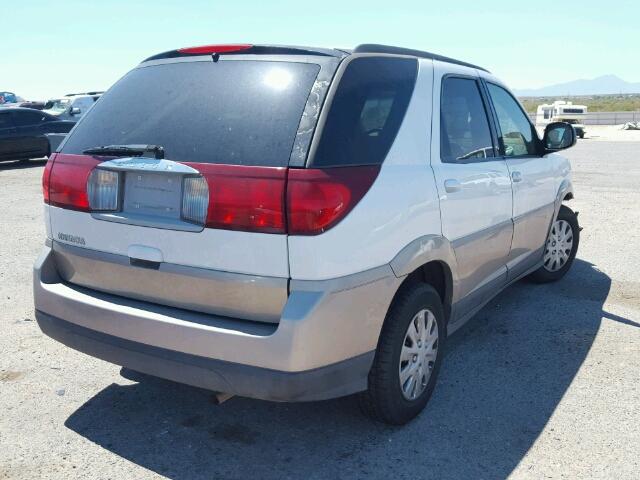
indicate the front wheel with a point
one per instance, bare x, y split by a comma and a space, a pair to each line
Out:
408, 357
561, 247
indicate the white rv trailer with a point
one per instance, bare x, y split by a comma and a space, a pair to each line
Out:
561, 111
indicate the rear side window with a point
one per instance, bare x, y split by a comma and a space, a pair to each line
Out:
235, 112
517, 133
367, 111
464, 127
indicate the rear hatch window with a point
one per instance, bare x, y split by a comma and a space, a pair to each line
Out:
236, 112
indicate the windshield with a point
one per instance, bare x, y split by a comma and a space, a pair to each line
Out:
58, 105
7, 97
232, 111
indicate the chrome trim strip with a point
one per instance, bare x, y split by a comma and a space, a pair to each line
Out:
145, 164
480, 234
535, 211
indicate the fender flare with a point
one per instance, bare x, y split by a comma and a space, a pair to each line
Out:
566, 187
425, 249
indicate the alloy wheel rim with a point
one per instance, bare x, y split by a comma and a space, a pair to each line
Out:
418, 355
559, 246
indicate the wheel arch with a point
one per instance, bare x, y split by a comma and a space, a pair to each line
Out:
564, 194
431, 260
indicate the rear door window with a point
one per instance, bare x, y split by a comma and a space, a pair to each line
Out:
464, 127
366, 112
238, 112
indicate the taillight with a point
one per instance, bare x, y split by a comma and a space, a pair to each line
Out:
68, 181
318, 199
195, 200
245, 198
103, 190
46, 177
229, 197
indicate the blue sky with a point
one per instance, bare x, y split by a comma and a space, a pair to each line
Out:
54, 47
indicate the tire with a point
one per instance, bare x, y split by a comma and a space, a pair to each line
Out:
551, 272
385, 399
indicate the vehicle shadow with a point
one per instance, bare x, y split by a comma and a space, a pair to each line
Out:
20, 164
502, 378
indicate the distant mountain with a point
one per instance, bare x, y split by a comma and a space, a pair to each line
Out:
607, 84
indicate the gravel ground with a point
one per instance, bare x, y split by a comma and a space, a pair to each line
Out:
543, 383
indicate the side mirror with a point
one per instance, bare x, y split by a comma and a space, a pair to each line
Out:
75, 111
558, 136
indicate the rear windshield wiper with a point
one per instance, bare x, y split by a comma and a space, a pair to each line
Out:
127, 150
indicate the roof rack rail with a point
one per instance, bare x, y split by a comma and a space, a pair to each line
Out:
84, 93
375, 48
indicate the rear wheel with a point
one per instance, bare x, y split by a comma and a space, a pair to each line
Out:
561, 247
408, 357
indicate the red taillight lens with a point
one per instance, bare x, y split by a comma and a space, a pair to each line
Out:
46, 177
211, 49
245, 198
318, 199
67, 181
240, 197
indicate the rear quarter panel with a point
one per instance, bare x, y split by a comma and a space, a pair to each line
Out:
401, 205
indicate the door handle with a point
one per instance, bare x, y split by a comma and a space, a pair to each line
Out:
452, 185
516, 176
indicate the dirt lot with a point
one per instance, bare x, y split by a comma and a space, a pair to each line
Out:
611, 133
543, 383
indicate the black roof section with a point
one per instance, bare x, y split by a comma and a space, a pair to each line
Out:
375, 48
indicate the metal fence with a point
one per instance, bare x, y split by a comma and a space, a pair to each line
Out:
605, 118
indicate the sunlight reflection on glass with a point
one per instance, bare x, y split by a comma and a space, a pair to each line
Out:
278, 79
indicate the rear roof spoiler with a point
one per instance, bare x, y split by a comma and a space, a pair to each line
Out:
246, 50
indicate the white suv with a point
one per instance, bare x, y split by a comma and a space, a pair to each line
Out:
297, 224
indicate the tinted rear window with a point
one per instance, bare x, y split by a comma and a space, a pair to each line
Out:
230, 112
366, 112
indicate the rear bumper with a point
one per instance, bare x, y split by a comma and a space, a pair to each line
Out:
322, 347
335, 380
